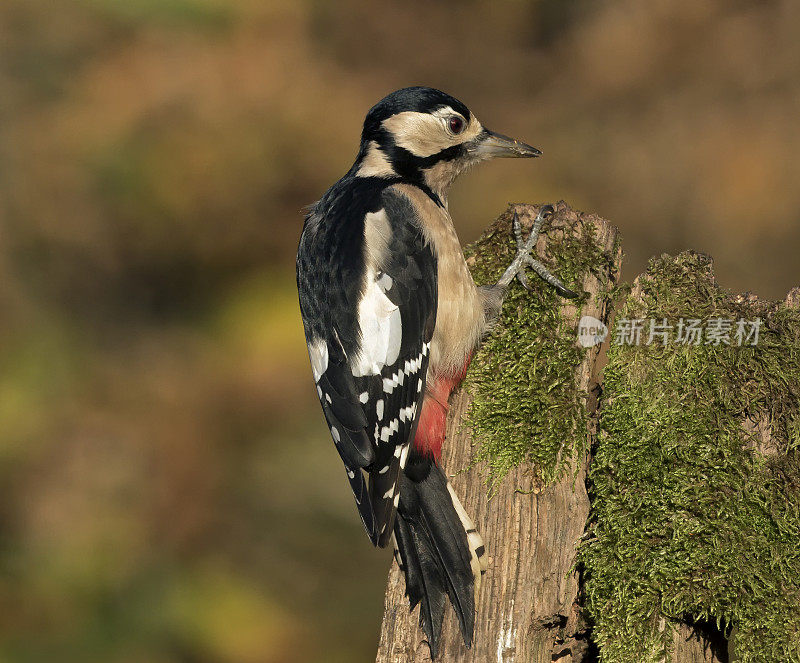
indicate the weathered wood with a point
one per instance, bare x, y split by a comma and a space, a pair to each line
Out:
527, 607
691, 646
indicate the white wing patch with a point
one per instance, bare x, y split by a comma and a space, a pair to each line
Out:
380, 324
318, 353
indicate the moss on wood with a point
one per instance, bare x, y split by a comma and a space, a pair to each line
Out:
526, 407
695, 482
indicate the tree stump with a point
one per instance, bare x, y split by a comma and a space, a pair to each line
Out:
689, 554
528, 603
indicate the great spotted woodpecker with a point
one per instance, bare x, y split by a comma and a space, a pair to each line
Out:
392, 316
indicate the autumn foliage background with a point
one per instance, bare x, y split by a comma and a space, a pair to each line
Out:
168, 490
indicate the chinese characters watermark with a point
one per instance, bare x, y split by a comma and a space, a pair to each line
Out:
687, 331
684, 331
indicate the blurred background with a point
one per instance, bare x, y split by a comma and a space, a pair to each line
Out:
168, 489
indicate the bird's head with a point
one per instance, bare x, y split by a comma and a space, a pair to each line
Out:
425, 136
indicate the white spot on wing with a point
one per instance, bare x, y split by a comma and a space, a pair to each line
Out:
379, 409
318, 353
404, 456
335, 434
385, 282
386, 432
364, 397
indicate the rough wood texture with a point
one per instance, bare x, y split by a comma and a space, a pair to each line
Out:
691, 646
527, 610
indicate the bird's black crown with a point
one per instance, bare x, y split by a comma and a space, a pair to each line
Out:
418, 99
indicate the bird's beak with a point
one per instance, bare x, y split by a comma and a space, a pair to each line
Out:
488, 145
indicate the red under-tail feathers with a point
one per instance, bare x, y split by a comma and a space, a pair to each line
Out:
433, 418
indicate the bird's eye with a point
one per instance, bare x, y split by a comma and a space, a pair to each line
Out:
456, 124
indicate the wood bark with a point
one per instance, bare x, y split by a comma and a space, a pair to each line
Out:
528, 603
691, 646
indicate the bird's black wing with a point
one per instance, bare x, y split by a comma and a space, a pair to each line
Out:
395, 401
367, 281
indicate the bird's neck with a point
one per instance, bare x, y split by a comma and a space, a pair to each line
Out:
372, 161
435, 180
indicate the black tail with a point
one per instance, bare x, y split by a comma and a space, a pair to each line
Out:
439, 549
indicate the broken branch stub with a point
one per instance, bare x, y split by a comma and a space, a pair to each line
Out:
533, 521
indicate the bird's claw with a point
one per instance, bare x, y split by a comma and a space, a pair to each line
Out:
524, 249
522, 277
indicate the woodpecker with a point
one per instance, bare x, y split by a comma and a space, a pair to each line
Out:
392, 317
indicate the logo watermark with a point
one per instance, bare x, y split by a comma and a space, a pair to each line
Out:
591, 331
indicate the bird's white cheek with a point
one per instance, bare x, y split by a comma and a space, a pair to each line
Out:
422, 134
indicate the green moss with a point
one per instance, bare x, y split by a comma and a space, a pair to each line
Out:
688, 519
526, 406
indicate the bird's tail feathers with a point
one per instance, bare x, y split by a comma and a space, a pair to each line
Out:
358, 484
439, 550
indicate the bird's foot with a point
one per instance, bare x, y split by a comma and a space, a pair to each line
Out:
524, 258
